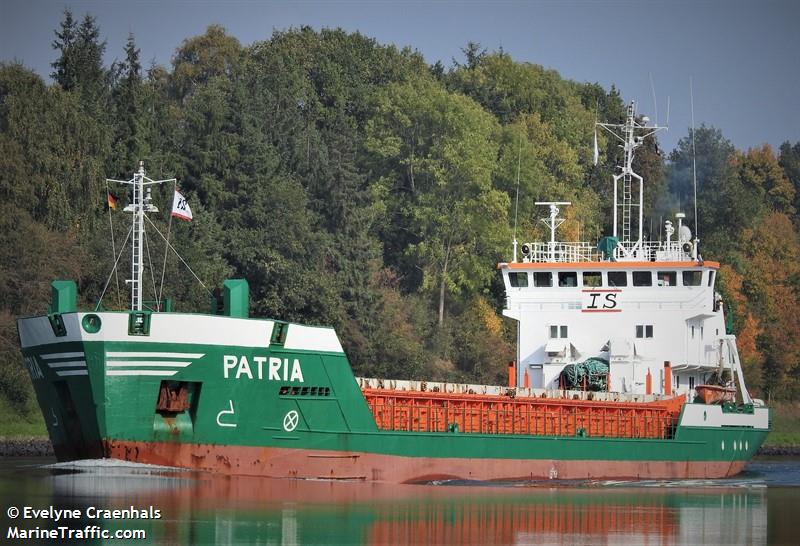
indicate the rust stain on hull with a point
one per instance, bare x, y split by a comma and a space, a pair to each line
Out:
311, 464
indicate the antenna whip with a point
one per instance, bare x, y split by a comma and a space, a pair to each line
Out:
516, 199
694, 164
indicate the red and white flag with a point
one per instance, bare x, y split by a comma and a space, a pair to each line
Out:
180, 208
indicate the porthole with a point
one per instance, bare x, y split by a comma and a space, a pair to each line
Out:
746, 445
722, 445
91, 323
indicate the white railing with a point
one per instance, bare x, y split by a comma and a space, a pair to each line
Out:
659, 251
645, 251
395, 385
561, 252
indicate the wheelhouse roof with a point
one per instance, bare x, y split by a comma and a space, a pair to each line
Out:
627, 266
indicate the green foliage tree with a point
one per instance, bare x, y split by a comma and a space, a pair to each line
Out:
454, 215
199, 59
65, 68
723, 200
128, 96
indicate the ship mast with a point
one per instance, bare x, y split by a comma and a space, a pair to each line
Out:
630, 185
553, 222
140, 205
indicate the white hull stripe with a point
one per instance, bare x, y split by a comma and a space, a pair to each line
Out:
131, 354
172, 328
73, 372
71, 364
146, 363
54, 356
312, 338
141, 372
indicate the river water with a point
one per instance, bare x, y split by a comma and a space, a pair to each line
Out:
760, 506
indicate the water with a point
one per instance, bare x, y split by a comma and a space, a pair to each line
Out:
760, 506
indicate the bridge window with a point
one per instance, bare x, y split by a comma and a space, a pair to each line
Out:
691, 381
667, 278
518, 280
644, 331
557, 331
567, 278
692, 278
592, 278
617, 278
642, 278
710, 278
542, 278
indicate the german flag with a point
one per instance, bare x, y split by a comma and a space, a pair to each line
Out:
112, 201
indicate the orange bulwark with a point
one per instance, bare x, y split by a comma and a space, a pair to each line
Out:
416, 411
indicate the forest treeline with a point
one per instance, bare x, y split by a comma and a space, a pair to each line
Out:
354, 185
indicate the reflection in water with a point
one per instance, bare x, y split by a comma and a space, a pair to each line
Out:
206, 509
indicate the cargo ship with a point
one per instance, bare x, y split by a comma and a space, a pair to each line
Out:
625, 370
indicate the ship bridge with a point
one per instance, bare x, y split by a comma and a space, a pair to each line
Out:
634, 314
647, 308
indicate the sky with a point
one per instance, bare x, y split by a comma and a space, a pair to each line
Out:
742, 57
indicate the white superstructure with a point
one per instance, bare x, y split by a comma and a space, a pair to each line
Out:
637, 304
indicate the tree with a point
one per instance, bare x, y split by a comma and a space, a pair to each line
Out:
53, 166
444, 146
725, 205
789, 160
473, 53
759, 170
92, 76
549, 170
773, 290
204, 57
65, 71
80, 61
128, 93
508, 89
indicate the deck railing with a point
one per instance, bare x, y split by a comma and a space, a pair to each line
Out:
558, 252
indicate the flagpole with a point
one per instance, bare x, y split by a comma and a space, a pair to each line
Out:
166, 248
113, 246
